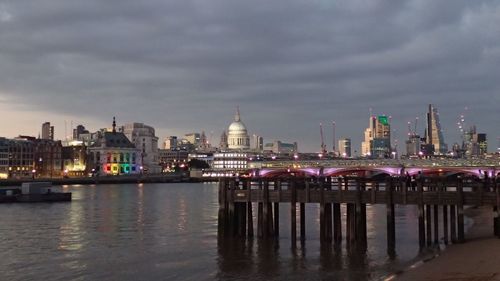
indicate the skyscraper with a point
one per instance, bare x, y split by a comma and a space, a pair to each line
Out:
434, 133
47, 131
345, 147
377, 141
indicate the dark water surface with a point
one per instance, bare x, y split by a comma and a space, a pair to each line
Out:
169, 232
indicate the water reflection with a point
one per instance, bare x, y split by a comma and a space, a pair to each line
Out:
169, 232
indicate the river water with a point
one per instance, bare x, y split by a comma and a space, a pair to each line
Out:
169, 232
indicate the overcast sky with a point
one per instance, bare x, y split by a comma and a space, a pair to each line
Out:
185, 65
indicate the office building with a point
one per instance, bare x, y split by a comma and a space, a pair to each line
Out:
47, 131
434, 132
344, 147
144, 138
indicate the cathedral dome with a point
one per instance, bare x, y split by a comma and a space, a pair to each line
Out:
237, 127
237, 134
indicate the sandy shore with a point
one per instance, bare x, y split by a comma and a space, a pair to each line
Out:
476, 260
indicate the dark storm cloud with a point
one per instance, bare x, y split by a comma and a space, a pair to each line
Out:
185, 65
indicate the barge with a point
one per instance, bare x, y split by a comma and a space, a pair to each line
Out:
33, 192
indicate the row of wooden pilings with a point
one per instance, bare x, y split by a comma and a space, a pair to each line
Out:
236, 209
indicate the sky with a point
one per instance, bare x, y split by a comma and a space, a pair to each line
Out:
185, 65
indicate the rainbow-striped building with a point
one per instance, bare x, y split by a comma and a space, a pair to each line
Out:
114, 154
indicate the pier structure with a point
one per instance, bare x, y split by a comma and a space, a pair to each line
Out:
434, 196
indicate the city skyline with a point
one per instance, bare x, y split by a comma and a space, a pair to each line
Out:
185, 66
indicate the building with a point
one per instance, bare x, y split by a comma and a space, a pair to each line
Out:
47, 131
474, 144
368, 137
79, 130
282, 148
169, 159
377, 141
74, 159
114, 154
237, 136
223, 146
48, 161
258, 143
434, 132
16, 158
413, 145
170, 143
193, 138
230, 161
345, 147
144, 138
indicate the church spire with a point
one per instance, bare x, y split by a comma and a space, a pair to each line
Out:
114, 125
237, 117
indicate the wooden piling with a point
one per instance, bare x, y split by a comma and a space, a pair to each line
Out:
302, 222
391, 223
496, 209
277, 186
453, 224
421, 220
293, 213
360, 218
337, 224
445, 224
460, 211
436, 225
265, 214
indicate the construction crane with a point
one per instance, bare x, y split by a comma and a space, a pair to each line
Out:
416, 123
323, 146
333, 141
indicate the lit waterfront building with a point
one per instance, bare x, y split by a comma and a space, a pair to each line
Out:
237, 135
169, 159
144, 138
114, 154
434, 132
236, 161
16, 158
345, 147
74, 158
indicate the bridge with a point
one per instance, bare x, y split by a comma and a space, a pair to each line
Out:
372, 167
435, 195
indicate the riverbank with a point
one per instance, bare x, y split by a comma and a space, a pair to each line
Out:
476, 260
164, 178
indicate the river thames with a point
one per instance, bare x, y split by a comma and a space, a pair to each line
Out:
169, 232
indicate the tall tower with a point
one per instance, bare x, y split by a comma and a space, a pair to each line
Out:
434, 133
47, 131
377, 141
